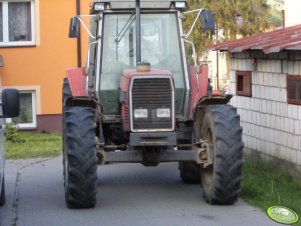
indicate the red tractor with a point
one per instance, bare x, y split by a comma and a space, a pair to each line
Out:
138, 101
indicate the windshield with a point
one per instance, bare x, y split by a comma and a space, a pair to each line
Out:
160, 44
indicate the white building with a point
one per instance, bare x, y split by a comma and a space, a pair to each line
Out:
265, 75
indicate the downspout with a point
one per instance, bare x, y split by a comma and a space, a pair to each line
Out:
79, 40
217, 60
217, 70
283, 18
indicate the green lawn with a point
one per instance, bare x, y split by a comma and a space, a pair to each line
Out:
266, 185
35, 145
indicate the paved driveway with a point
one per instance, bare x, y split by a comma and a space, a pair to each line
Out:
128, 194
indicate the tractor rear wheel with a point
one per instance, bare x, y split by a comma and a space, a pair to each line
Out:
79, 157
66, 93
190, 172
220, 128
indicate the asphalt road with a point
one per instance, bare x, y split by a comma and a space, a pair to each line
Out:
128, 194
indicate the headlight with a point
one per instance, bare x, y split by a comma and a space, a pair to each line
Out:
99, 6
163, 113
180, 5
140, 113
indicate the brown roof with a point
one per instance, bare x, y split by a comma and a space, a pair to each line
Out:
270, 42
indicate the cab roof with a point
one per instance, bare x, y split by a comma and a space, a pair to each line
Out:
144, 4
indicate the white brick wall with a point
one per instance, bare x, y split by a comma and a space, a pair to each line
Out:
290, 67
270, 124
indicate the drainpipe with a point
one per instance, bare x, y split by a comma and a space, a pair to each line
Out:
217, 69
217, 60
283, 18
79, 40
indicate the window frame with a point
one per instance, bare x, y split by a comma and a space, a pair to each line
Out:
244, 74
6, 42
292, 78
32, 125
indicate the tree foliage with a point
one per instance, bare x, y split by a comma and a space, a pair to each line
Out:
234, 18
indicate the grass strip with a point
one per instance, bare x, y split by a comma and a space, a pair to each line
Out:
35, 145
265, 185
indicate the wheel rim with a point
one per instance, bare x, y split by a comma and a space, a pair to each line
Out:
208, 171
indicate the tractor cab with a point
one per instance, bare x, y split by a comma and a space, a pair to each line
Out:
126, 38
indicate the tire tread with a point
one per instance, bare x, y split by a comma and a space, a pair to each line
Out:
80, 189
227, 173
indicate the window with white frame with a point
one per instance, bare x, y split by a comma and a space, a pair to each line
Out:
28, 117
17, 27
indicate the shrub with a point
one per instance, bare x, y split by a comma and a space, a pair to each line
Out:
12, 133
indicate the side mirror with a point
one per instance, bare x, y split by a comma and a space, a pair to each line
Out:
207, 19
10, 103
74, 27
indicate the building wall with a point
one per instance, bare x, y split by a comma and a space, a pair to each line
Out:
42, 67
270, 125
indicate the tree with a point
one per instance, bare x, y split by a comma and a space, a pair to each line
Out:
234, 18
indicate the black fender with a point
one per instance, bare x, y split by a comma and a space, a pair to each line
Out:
81, 101
198, 111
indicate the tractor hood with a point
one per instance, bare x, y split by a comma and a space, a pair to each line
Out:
128, 74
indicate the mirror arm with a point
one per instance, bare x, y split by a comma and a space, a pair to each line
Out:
195, 20
84, 25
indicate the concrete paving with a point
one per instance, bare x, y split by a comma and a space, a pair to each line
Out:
128, 194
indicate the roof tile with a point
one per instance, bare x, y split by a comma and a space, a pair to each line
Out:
270, 42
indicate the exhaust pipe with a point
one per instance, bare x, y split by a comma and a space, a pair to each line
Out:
138, 32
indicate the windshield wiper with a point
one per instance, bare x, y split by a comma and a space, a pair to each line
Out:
125, 27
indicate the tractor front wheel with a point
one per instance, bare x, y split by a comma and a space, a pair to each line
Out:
79, 157
219, 128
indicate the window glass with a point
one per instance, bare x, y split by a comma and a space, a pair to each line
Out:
294, 89
160, 45
26, 114
244, 83
1, 23
19, 14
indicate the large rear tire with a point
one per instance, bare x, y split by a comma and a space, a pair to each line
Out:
66, 93
2, 195
220, 128
79, 157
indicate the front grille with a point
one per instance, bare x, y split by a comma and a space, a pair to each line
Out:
151, 94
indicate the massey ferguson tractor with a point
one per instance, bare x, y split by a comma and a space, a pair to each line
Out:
139, 101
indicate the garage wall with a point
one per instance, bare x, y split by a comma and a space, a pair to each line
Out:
271, 126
